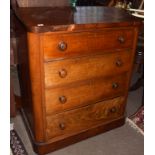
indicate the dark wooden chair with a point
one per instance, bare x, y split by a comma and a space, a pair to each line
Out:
139, 57
139, 61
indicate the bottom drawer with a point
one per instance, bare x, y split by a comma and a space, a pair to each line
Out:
75, 121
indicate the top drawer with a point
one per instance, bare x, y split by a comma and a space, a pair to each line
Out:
57, 45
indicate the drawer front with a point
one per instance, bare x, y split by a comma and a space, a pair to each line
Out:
75, 121
70, 44
82, 94
78, 69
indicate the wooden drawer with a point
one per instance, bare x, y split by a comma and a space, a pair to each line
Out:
57, 45
83, 68
78, 120
81, 94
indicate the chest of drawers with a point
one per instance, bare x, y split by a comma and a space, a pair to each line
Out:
74, 72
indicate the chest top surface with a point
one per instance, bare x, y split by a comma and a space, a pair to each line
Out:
47, 19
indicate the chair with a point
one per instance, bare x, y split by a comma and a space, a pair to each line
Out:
139, 57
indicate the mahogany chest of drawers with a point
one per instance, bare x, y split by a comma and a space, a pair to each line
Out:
75, 69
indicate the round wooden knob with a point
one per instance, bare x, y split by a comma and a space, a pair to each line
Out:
62, 99
115, 85
119, 63
113, 110
62, 46
121, 39
62, 73
62, 126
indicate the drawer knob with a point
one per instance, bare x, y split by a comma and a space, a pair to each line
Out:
113, 110
62, 46
62, 73
62, 126
115, 85
121, 39
62, 99
119, 63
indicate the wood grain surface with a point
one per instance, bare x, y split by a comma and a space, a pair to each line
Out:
77, 120
82, 94
47, 19
81, 68
85, 42
75, 68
